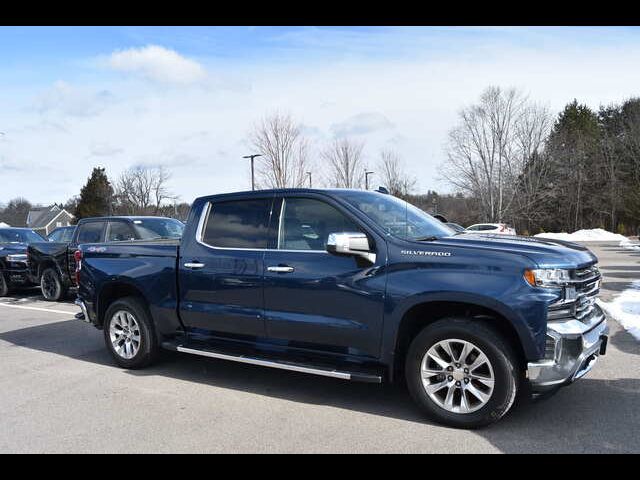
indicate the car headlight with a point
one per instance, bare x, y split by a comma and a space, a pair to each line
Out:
547, 277
19, 258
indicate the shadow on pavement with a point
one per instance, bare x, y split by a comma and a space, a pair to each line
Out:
27, 296
625, 342
590, 416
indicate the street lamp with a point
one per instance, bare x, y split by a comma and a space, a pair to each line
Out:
253, 185
309, 173
366, 178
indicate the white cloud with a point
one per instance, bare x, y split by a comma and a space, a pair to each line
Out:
158, 64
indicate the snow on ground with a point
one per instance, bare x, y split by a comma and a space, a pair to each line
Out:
629, 245
625, 309
592, 235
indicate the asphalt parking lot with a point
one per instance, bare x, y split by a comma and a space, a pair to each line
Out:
60, 392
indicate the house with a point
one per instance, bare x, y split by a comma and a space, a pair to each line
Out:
45, 220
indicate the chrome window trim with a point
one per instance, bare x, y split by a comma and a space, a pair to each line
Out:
202, 226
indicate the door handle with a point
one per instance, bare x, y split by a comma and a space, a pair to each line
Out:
281, 269
194, 265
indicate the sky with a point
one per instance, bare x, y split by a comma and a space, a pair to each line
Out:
186, 98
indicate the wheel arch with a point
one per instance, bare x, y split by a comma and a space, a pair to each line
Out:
112, 291
424, 311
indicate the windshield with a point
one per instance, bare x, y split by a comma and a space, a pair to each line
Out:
19, 236
397, 217
149, 228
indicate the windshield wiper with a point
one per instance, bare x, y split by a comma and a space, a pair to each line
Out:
430, 238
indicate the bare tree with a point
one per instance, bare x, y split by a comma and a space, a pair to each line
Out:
394, 177
490, 145
142, 190
344, 163
284, 150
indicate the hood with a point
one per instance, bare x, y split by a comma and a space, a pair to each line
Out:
12, 249
545, 252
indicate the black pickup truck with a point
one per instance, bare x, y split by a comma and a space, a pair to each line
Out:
52, 264
13, 258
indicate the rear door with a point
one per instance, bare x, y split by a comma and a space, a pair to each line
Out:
221, 270
316, 300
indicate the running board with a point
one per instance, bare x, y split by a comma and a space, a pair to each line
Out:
295, 367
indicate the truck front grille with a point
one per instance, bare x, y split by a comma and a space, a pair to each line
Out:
579, 297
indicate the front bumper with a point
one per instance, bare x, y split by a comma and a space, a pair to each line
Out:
573, 346
16, 275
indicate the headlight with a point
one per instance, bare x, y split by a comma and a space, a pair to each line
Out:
547, 277
20, 258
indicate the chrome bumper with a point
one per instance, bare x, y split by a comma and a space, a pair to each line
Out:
573, 348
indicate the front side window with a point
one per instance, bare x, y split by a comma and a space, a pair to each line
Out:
238, 224
397, 217
120, 232
90, 232
305, 224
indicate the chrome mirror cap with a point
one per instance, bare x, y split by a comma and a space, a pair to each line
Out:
350, 243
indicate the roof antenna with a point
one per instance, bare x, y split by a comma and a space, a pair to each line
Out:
381, 189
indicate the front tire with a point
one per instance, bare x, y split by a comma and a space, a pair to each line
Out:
129, 333
51, 286
462, 372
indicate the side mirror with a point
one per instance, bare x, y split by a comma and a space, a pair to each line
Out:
350, 243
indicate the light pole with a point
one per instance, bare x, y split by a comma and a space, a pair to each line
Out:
253, 185
309, 173
366, 178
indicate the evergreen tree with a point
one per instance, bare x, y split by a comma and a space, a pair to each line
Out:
96, 197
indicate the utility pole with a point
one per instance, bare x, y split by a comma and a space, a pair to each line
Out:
366, 178
310, 185
253, 184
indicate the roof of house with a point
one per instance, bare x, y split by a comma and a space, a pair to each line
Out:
43, 216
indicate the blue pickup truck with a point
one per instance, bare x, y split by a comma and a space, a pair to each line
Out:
356, 285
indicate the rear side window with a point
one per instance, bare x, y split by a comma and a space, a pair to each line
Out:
240, 224
90, 232
120, 232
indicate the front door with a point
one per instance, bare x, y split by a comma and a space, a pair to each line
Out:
318, 300
221, 271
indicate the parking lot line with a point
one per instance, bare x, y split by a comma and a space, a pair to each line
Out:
36, 309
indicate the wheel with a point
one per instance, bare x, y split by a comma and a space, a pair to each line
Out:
462, 372
4, 286
51, 285
129, 333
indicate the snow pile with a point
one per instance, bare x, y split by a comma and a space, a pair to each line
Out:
626, 243
625, 309
593, 235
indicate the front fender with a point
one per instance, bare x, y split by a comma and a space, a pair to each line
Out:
528, 333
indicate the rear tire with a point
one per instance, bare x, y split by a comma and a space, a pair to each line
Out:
129, 333
51, 286
448, 391
4, 286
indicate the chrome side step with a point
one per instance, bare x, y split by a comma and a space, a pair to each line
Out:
324, 372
